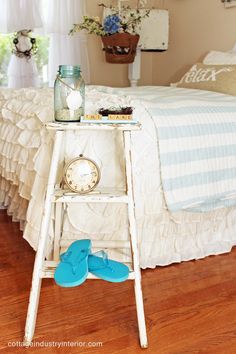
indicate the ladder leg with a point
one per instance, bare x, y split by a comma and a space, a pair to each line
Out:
134, 243
40, 255
58, 231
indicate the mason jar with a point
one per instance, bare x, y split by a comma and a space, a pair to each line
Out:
69, 94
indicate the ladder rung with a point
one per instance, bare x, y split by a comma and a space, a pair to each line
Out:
100, 243
92, 126
50, 266
93, 197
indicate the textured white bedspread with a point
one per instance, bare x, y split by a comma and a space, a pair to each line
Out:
25, 148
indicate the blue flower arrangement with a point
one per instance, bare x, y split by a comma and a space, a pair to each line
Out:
122, 20
119, 31
112, 24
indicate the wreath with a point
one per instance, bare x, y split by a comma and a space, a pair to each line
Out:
27, 53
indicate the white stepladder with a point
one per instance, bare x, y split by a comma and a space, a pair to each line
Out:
45, 269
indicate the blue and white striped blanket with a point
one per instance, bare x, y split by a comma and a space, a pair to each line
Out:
196, 137
197, 146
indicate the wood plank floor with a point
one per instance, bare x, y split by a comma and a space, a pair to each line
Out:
190, 307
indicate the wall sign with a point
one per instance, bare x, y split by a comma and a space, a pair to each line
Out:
229, 3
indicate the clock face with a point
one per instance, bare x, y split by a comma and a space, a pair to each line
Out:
81, 175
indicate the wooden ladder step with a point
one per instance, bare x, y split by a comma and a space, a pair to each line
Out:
61, 196
50, 266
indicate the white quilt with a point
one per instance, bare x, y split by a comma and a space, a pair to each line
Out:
25, 148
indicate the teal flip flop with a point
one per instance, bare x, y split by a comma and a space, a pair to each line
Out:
107, 269
73, 268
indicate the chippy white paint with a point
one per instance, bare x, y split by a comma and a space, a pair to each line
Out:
45, 269
154, 35
40, 255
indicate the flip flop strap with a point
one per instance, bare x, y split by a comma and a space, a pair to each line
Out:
105, 263
74, 263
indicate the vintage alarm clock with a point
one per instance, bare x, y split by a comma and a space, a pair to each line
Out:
81, 175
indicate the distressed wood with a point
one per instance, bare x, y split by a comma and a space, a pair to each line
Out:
155, 31
134, 243
50, 266
57, 232
40, 255
134, 69
101, 243
91, 126
46, 269
91, 198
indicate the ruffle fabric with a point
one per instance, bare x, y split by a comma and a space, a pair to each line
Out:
25, 151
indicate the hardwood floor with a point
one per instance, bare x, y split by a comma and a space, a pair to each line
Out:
190, 307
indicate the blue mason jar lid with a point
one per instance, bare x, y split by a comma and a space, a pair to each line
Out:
69, 70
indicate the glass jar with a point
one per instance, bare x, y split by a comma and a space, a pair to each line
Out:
69, 94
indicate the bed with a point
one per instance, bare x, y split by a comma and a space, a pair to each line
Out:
165, 237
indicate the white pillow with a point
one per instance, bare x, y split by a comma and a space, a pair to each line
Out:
220, 58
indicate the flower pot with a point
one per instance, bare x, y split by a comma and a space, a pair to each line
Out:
120, 48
